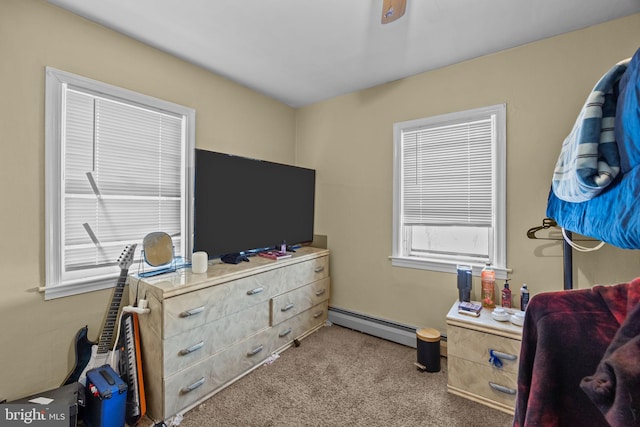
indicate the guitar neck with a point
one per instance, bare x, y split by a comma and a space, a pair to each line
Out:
106, 337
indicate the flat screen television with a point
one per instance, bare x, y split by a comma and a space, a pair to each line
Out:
243, 205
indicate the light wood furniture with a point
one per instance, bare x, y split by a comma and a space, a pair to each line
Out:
205, 331
471, 375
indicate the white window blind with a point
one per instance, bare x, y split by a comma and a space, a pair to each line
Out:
120, 165
450, 190
447, 174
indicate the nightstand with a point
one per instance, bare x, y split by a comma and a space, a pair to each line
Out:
471, 374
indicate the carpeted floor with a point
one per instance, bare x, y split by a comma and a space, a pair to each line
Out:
340, 377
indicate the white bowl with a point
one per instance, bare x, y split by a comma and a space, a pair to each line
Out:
500, 314
517, 318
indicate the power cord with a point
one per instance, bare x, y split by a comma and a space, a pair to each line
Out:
577, 247
142, 309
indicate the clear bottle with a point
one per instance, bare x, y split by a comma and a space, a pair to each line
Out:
524, 297
488, 289
506, 295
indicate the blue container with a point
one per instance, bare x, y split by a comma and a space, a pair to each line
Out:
464, 283
106, 398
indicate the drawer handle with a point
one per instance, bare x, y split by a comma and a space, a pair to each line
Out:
287, 307
501, 388
192, 312
321, 292
502, 355
193, 386
255, 291
284, 333
191, 349
318, 314
495, 357
255, 351
319, 269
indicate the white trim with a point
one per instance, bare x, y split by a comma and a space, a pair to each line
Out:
443, 266
56, 82
54, 88
498, 245
69, 289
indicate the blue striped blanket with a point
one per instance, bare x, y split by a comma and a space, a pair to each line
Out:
589, 159
613, 216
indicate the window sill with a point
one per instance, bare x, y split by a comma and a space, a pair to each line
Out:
77, 288
443, 266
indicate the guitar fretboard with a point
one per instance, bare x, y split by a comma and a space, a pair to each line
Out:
106, 338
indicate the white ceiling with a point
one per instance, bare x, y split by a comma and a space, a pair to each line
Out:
304, 51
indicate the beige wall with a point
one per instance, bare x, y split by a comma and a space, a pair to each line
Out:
37, 335
349, 140
543, 84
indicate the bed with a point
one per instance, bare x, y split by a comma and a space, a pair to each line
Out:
580, 355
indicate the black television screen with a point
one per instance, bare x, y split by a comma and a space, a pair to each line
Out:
246, 205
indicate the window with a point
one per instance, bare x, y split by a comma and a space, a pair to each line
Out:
118, 166
449, 191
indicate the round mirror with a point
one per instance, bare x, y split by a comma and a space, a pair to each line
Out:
158, 248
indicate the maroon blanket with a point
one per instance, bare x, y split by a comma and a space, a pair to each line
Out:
569, 336
615, 386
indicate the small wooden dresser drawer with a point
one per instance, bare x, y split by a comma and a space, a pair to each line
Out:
291, 303
188, 386
189, 347
194, 309
475, 346
483, 382
471, 343
302, 273
308, 320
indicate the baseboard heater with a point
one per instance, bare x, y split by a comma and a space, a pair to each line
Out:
392, 331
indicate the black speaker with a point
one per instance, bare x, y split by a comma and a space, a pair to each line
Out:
69, 398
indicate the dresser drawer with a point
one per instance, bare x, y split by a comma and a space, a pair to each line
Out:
291, 303
301, 274
474, 346
194, 309
293, 328
476, 379
187, 387
189, 347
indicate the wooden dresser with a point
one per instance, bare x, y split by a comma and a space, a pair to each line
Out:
471, 375
207, 330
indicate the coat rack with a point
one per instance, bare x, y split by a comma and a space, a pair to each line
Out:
567, 254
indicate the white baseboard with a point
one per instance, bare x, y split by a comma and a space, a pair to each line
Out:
392, 331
